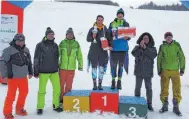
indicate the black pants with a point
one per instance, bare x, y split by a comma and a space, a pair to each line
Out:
148, 85
117, 58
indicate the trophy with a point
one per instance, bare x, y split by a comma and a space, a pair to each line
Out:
95, 32
114, 30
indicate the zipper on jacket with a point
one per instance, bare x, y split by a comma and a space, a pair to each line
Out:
68, 57
20, 57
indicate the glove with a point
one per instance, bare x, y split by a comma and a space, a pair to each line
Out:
80, 69
36, 76
181, 73
159, 73
127, 70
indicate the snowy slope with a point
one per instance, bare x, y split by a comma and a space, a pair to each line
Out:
60, 16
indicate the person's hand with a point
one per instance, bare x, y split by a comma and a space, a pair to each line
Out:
142, 44
30, 76
4, 81
36, 76
5, 78
80, 69
126, 38
113, 34
159, 74
181, 73
110, 48
94, 35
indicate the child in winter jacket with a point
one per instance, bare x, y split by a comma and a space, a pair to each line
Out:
171, 65
16, 66
69, 52
144, 54
46, 68
97, 56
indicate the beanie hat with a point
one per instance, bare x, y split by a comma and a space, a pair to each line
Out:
19, 37
70, 30
120, 11
168, 34
49, 30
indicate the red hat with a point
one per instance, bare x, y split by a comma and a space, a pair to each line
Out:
168, 34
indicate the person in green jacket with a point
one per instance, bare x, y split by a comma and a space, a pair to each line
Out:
69, 52
171, 65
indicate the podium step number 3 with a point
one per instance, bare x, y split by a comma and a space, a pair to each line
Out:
133, 106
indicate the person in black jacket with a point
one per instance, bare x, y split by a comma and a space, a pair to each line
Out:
145, 53
46, 67
97, 56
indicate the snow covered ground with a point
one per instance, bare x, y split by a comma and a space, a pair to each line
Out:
60, 16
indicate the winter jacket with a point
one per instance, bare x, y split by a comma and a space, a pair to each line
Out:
123, 44
16, 62
171, 57
144, 58
96, 54
46, 57
69, 52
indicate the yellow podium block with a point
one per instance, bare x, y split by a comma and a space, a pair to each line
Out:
77, 101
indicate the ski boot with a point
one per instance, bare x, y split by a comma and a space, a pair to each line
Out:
22, 112
94, 84
10, 116
58, 109
165, 106
150, 108
39, 111
119, 85
113, 84
176, 108
100, 85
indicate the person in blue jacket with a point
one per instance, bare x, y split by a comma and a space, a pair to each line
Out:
119, 52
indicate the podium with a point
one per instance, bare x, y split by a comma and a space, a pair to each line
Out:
133, 106
106, 100
77, 101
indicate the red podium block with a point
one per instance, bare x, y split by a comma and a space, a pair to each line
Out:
106, 100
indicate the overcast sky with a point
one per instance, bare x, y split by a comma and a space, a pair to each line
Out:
136, 3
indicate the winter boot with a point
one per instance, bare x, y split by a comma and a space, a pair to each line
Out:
113, 84
119, 85
10, 116
94, 84
100, 85
22, 112
150, 108
176, 108
4, 83
61, 102
165, 106
58, 109
39, 111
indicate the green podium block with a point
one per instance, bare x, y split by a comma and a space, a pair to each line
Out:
133, 106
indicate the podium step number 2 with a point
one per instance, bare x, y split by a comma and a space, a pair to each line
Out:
77, 101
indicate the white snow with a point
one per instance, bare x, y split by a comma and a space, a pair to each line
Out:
60, 16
